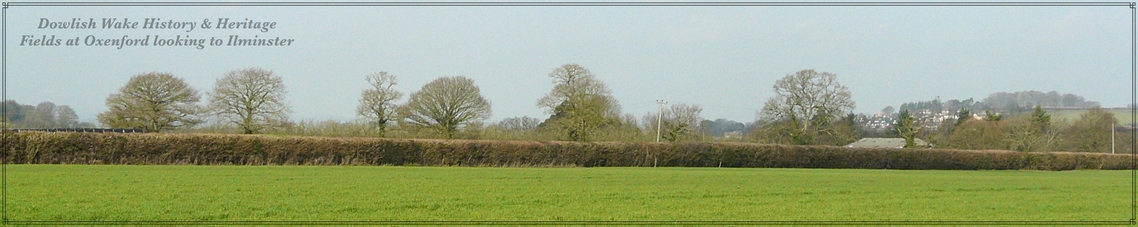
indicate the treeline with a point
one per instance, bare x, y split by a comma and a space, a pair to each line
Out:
936, 106
42, 115
1005, 121
808, 108
1096, 130
723, 127
1001, 102
252, 101
1024, 101
218, 149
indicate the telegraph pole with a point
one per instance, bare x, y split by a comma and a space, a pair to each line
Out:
659, 118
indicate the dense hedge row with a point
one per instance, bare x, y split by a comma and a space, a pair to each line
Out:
216, 149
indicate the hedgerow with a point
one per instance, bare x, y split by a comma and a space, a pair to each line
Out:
227, 149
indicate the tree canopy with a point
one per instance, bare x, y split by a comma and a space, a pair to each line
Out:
579, 103
252, 98
154, 102
446, 104
377, 103
805, 102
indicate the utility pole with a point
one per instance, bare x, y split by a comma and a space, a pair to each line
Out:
659, 118
1112, 138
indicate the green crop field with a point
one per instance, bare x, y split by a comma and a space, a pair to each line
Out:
259, 193
1122, 115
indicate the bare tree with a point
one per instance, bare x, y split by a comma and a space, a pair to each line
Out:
521, 124
516, 127
1091, 132
579, 103
377, 104
1025, 135
154, 102
976, 135
446, 104
66, 117
676, 121
251, 98
45, 114
887, 111
807, 101
14, 113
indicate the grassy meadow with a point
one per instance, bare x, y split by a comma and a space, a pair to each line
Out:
1122, 115
312, 193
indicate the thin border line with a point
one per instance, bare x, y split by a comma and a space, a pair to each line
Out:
4, 114
571, 3
1134, 110
653, 223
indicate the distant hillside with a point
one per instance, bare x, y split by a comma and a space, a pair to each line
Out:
1023, 101
1003, 102
1121, 114
721, 126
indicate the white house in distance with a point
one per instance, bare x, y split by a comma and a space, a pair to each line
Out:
885, 143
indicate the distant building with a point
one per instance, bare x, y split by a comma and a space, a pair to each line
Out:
885, 143
733, 135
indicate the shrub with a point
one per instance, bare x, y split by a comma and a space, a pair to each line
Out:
223, 149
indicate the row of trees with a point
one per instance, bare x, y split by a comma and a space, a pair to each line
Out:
808, 108
1022, 101
1016, 102
251, 99
936, 106
1034, 131
42, 115
812, 108
581, 108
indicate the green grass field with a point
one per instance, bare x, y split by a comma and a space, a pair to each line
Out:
310, 193
1123, 115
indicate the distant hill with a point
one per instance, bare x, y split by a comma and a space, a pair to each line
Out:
1122, 114
721, 126
1024, 101
1003, 102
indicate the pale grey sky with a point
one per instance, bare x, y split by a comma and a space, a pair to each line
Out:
723, 58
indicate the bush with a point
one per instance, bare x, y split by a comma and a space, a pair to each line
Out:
222, 149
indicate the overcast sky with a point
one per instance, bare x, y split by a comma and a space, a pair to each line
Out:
723, 58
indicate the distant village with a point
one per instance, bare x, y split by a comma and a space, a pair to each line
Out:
877, 129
